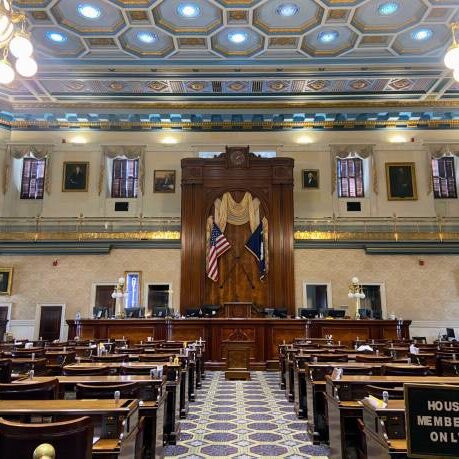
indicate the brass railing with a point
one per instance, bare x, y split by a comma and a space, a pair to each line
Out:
393, 229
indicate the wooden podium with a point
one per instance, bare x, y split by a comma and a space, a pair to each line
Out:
237, 362
238, 310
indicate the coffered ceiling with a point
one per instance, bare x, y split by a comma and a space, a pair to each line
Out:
133, 54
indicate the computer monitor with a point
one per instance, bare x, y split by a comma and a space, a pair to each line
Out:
307, 313
365, 313
193, 312
210, 310
280, 312
101, 312
336, 313
450, 333
160, 311
133, 313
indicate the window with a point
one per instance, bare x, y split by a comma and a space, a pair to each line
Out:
350, 178
209, 154
125, 178
33, 178
265, 154
444, 178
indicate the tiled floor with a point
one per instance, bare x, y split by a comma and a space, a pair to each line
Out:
243, 419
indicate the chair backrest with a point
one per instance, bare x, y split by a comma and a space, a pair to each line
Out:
105, 391
404, 370
110, 358
86, 371
27, 353
332, 357
419, 339
70, 439
154, 358
5, 371
136, 370
30, 390
356, 371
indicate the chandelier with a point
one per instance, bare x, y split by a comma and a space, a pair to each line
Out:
452, 56
14, 41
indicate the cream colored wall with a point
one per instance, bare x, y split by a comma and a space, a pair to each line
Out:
310, 149
36, 280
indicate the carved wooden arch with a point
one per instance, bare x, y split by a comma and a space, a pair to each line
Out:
237, 171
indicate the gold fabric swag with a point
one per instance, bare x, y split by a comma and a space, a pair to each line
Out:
227, 210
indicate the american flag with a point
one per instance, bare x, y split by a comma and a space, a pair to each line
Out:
218, 245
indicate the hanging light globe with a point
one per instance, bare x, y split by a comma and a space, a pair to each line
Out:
26, 66
456, 74
7, 5
452, 57
20, 46
6, 72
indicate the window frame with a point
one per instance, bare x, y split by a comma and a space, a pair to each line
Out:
348, 178
448, 179
135, 179
32, 159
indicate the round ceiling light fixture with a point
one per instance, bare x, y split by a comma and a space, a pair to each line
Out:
452, 56
328, 36
89, 11
287, 10
421, 34
57, 37
188, 10
237, 37
147, 37
388, 8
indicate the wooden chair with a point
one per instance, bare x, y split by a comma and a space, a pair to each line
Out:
404, 370
86, 371
70, 439
137, 370
105, 391
154, 358
5, 370
110, 358
46, 390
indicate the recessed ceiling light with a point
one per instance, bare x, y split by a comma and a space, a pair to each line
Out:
287, 10
57, 37
328, 36
88, 11
169, 140
388, 8
147, 37
237, 37
421, 34
188, 10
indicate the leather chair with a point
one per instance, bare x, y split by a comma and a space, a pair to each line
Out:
30, 390
111, 358
86, 371
404, 370
105, 391
5, 370
70, 439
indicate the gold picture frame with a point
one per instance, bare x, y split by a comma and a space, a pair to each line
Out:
311, 179
401, 181
134, 297
6, 281
75, 176
164, 181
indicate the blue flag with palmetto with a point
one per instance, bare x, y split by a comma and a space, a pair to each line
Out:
255, 245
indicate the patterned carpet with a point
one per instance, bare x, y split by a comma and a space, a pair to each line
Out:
244, 420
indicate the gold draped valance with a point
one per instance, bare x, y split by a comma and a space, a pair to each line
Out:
19, 151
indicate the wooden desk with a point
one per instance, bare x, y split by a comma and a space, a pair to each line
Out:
111, 419
237, 310
262, 335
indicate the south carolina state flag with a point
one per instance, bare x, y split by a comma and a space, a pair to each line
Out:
255, 246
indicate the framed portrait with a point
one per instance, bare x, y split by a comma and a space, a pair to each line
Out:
401, 182
133, 287
6, 281
75, 176
164, 181
311, 179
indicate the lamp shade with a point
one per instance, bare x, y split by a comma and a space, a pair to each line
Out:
26, 66
6, 72
452, 57
20, 46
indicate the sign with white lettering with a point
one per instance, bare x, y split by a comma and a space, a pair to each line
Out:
432, 421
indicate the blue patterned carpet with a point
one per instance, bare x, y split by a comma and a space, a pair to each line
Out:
244, 420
